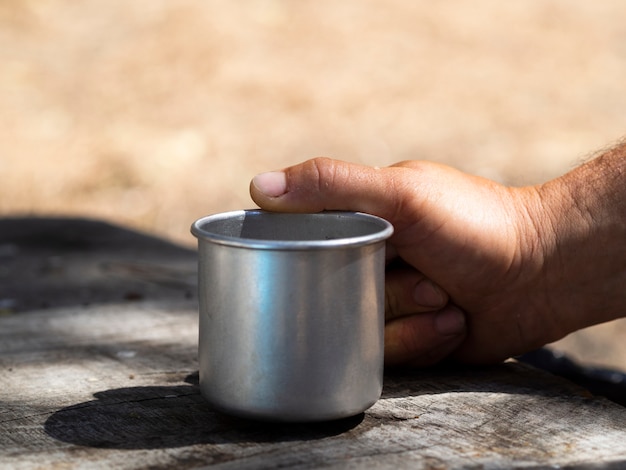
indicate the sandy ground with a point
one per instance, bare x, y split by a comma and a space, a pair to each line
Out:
152, 113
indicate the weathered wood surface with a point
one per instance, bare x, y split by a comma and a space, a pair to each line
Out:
114, 385
53, 262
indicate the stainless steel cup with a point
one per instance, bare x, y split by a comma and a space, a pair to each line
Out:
291, 313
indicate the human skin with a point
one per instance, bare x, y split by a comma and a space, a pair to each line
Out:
478, 271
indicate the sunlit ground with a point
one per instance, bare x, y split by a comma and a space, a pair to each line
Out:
152, 113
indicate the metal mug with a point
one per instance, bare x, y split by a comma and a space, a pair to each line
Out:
291, 313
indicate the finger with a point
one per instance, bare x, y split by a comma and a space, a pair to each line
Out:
407, 291
325, 184
424, 339
391, 253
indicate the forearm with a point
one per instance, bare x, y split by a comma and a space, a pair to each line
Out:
587, 254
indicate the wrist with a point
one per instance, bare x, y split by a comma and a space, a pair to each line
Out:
581, 233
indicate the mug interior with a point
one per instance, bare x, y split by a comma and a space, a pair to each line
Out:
323, 227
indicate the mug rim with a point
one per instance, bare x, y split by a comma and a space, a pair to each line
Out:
385, 230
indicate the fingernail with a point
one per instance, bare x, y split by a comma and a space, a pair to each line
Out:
272, 184
450, 322
428, 294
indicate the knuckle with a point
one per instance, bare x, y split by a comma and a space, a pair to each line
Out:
323, 171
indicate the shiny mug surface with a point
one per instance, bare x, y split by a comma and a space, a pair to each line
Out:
291, 313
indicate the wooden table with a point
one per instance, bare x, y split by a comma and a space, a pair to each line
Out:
105, 376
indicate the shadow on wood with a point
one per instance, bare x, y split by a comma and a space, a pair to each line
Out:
171, 416
601, 381
151, 417
58, 262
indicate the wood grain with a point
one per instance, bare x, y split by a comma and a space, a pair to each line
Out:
115, 386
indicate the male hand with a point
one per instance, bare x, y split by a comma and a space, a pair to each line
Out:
480, 273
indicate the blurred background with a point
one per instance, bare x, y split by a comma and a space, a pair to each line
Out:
155, 112
152, 113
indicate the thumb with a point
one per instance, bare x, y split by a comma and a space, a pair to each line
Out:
325, 184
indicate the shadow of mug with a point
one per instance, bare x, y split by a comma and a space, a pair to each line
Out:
171, 416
